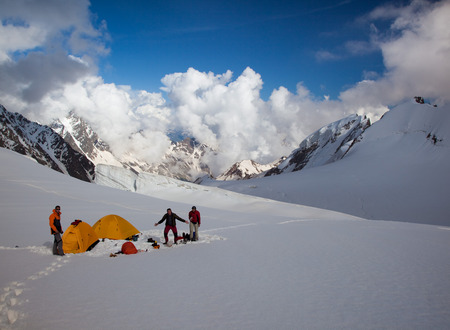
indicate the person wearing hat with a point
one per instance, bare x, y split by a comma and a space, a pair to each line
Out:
194, 217
56, 230
170, 219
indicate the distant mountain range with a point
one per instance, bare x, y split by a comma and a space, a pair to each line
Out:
71, 146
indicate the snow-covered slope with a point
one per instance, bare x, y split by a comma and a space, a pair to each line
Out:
259, 264
399, 171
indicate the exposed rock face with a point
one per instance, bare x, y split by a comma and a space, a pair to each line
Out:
44, 145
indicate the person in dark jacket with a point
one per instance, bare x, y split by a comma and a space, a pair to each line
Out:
194, 217
170, 219
56, 230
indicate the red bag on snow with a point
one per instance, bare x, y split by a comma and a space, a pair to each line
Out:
129, 248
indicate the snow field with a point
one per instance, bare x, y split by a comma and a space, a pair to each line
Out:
259, 264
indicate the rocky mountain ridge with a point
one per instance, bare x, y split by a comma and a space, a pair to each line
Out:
41, 143
326, 145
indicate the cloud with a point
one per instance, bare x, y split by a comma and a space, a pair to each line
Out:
227, 115
47, 23
360, 47
134, 124
231, 117
326, 55
46, 44
48, 55
415, 49
18, 38
32, 77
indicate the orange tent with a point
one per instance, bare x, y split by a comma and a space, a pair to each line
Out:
79, 237
129, 248
114, 227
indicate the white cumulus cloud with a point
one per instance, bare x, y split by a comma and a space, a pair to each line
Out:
416, 52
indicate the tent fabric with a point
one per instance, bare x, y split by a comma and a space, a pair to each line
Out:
114, 227
129, 248
79, 237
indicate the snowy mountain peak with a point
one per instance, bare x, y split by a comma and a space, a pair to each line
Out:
246, 169
413, 118
182, 160
79, 134
328, 144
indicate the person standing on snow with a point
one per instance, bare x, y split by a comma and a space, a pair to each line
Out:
170, 219
56, 230
194, 217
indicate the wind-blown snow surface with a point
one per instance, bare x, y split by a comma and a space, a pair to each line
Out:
259, 264
399, 171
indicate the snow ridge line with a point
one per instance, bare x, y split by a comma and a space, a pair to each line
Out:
10, 298
230, 227
58, 193
296, 220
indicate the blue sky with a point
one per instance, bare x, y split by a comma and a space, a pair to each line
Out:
280, 40
251, 79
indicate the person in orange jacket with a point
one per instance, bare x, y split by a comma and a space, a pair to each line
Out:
56, 230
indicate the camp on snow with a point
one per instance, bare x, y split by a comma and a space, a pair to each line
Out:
114, 227
79, 237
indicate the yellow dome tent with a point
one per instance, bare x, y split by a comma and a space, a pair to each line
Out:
79, 237
114, 227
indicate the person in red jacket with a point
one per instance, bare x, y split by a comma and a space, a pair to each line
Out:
194, 217
56, 230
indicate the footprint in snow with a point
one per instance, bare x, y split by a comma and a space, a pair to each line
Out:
10, 299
